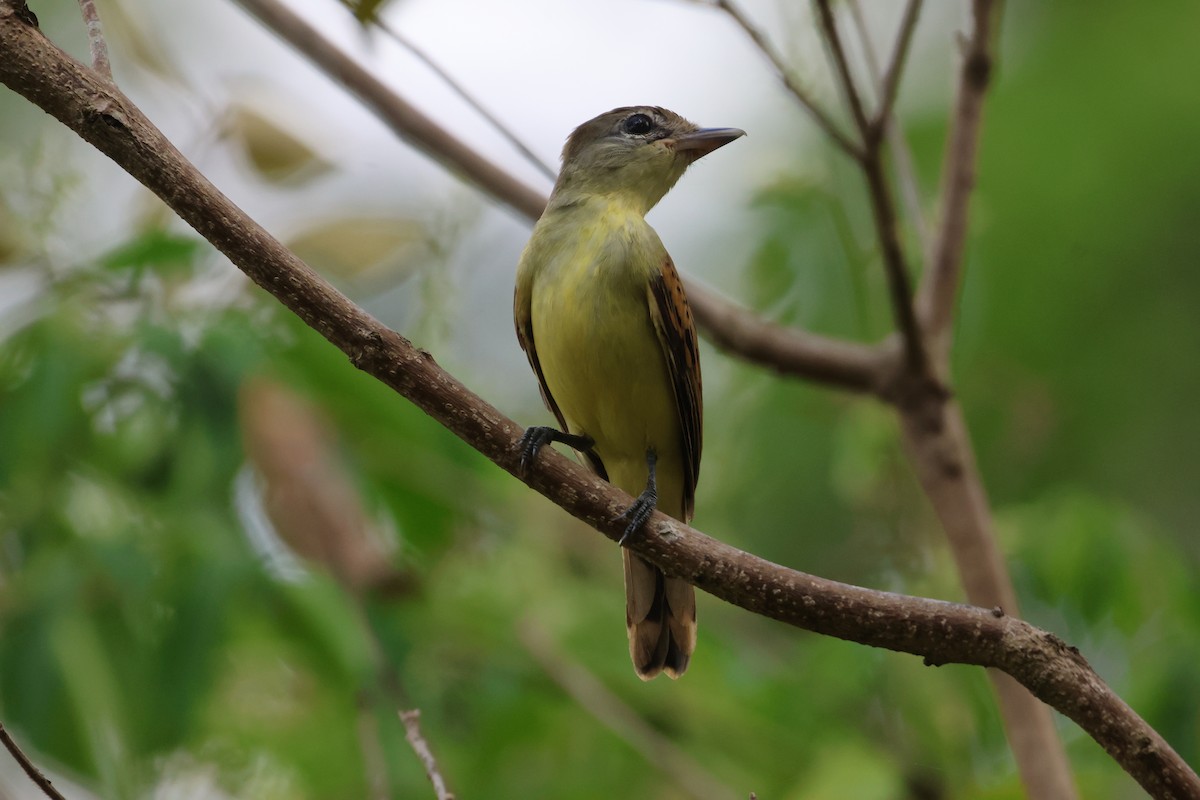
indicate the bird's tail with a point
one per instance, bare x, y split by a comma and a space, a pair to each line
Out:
660, 613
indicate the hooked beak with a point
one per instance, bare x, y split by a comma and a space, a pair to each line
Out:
698, 144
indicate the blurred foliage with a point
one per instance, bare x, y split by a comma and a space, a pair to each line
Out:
147, 641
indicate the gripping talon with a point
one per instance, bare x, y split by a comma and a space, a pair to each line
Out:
643, 507
538, 436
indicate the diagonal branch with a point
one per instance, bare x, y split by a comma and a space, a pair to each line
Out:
847, 365
412, 732
940, 632
939, 291
35, 774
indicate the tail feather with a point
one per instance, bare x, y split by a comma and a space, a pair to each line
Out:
660, 613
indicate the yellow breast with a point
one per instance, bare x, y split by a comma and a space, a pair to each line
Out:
599, 351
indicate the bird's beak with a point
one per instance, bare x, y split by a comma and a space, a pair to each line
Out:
702, 142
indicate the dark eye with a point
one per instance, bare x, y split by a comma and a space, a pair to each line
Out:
639, 124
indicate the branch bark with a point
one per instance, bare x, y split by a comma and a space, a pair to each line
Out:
939, 291
412, 732
35, 774
941, 632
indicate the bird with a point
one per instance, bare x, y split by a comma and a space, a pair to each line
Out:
603, 318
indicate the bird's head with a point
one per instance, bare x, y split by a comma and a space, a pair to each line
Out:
637, 152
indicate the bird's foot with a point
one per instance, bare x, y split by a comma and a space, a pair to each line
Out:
637, 514
643, 507
538, 436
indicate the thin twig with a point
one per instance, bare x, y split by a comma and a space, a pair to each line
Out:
906, 173
784, 73
412, 732
466, 97
95, 32
615, 714
891, 78
30, 768
940, 632
842, 66
939, 291
882, 208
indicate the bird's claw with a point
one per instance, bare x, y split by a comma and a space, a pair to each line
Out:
538, 436
637, 514
534, 439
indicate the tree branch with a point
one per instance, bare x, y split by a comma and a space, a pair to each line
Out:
35, 774
842, 66
891, 78
939, 291
833, 362
940, 632
906, 174
95, 32
883, 208
412, 732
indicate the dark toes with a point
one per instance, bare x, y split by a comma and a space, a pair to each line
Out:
637, 514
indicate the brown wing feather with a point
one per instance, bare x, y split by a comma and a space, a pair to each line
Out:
677, 334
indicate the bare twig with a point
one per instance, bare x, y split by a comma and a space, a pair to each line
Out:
842, 66
412, 732
939, 291
784, 73
95, 32
466, 97
906, 173
940, 632
35, 774
882, 206
891, 78
615, 714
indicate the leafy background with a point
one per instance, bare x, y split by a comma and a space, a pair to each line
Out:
150, 646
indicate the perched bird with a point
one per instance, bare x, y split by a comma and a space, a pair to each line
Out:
601, 314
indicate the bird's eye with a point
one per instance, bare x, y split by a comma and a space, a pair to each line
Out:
639, 124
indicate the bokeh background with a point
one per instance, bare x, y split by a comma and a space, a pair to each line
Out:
227, 557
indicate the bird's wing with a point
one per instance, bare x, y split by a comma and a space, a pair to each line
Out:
676, 331
523, 317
